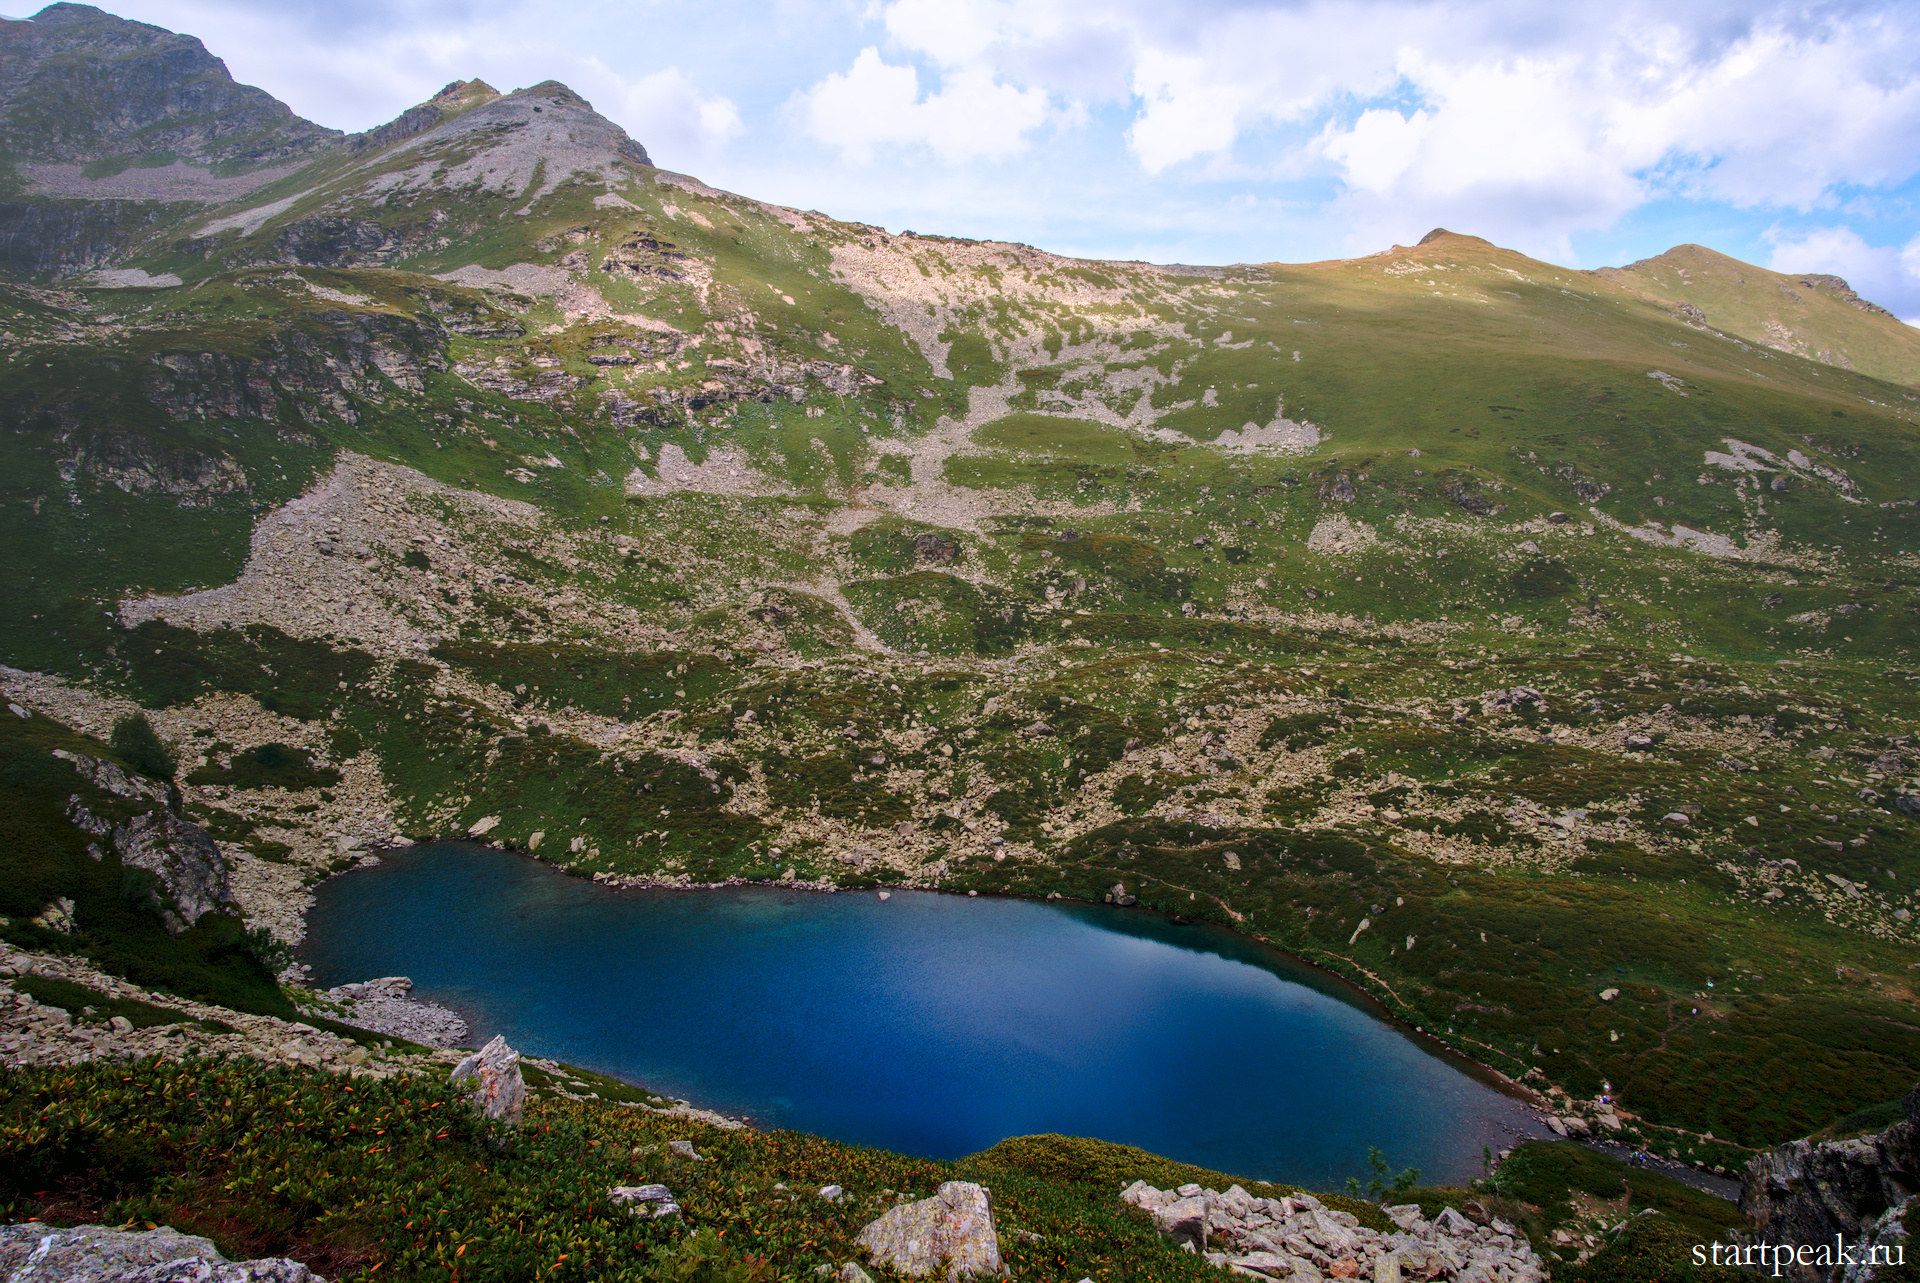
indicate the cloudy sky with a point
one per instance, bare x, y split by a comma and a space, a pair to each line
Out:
1204, 131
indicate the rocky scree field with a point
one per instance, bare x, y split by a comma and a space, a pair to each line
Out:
1530, 646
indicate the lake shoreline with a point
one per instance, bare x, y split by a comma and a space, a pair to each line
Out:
1284, 966
1367, 999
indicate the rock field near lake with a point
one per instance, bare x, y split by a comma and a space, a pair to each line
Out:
1299, 1239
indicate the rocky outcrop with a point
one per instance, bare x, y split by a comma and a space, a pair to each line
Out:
502, 1093
419, 119
1299, 1239
35, 1033
1854, 1190
138, 464
36, 1253
952, 1231
1461, 494
385, 1006
338, 241
200, 385
183, 858
651, 1201
1839, 287
63, 237
189, 877
359, 356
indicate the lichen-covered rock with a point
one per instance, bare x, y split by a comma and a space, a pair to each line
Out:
35, 1253
183, 857
953, 1229
502, 1092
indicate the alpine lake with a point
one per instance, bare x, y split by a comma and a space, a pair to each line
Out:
922, 1023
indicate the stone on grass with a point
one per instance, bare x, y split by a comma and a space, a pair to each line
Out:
953, 1229
502, 1093
654, 1201
1184, 1219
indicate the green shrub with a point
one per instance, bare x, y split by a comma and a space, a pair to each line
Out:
135, 740
366, 1179
279, 766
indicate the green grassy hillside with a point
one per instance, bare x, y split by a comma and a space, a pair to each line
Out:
1807, 315
1493, 634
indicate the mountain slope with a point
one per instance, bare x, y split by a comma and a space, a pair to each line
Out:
79, 86
1806, 314
1479, 629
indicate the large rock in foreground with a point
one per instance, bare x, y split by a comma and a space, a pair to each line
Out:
502, 1093
96, 1254
954, 1228
1848, 1190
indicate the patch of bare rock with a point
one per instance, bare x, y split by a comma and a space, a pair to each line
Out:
1300, 1240
36, 1033
384, 1006
36, 1253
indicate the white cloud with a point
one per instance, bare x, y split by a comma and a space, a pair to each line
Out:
678, 124
874, 103
1500, 115
1885, 274
1241, 128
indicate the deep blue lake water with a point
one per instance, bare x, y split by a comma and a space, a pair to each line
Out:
928, 1024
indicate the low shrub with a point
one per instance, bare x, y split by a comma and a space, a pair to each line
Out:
138, 745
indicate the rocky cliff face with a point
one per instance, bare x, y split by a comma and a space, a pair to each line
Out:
78, 84
138, 819
67, 236
1853, 1190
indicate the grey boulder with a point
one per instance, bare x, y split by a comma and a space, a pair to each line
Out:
953, 1229
37, 1253
192, 878
655, 1201
502, 1092
1184, 1218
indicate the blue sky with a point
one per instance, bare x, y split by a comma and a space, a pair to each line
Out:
1208, 132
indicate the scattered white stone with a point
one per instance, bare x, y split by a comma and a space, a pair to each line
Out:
652, 1201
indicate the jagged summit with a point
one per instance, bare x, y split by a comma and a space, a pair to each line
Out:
80, 85
448, 103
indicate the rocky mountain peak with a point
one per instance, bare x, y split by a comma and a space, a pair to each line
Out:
80, 85
466, 91
457, 97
